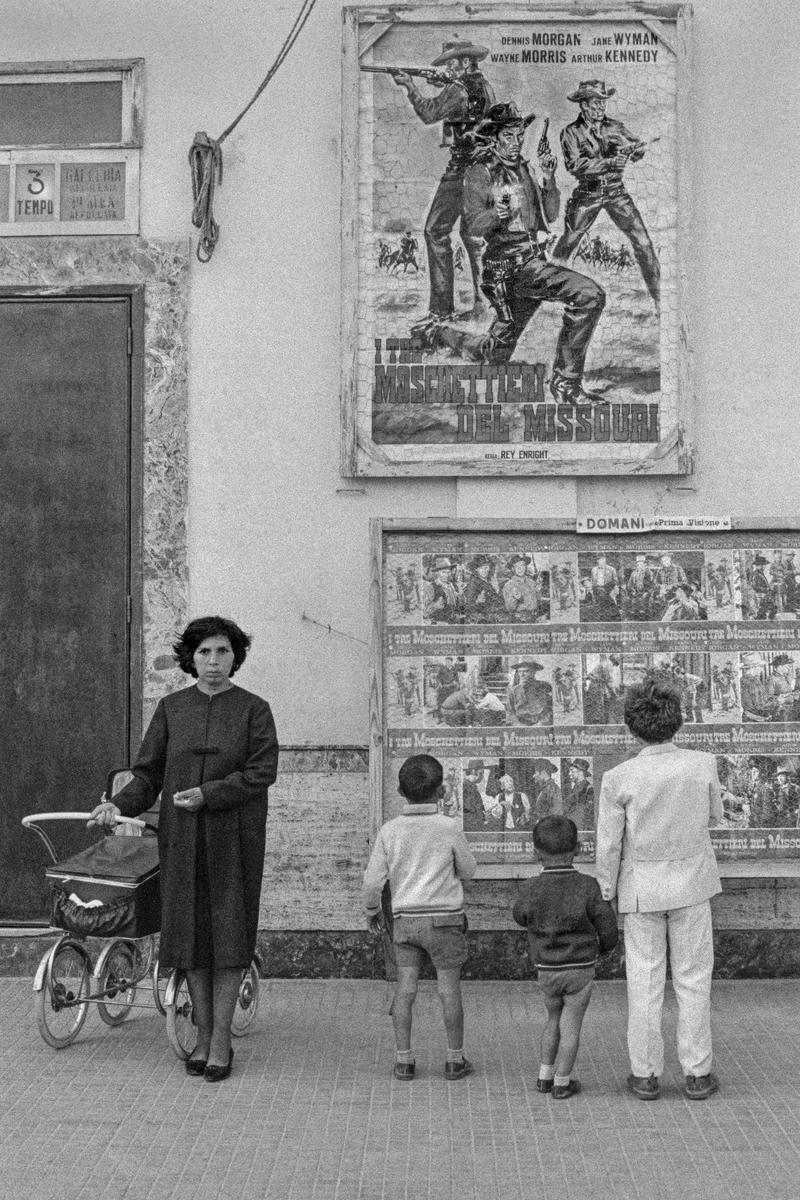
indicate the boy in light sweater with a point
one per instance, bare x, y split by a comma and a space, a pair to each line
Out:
424, 856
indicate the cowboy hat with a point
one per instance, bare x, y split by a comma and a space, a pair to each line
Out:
498, 117
591, 89
451, 50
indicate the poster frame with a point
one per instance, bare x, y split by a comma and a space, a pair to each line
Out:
379, 529
360, 454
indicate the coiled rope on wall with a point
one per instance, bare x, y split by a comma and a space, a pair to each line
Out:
205, 156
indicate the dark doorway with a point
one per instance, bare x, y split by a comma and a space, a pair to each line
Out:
67, 442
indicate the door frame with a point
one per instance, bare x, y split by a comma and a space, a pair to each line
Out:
134, 649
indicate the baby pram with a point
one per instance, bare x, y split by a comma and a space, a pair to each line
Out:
109, 892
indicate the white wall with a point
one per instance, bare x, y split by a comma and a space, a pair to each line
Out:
274, 530
746, 268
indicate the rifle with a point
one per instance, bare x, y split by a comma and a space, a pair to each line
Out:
544, 141
429, 74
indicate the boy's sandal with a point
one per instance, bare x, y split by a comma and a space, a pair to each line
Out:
564, 1091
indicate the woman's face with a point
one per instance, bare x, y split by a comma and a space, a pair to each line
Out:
213, 660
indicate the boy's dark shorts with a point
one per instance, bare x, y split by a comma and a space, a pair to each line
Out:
442, 937
564, 983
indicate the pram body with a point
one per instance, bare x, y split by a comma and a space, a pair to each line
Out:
110, 889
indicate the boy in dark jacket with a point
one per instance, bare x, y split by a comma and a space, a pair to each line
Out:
567, 919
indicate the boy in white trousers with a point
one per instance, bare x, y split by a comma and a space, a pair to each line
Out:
654, 854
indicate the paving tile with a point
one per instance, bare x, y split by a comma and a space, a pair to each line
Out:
311, 1111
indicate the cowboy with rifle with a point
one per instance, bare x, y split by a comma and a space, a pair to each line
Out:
461, 103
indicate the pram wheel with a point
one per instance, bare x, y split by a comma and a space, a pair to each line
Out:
160, 979
61, 997
247, 1002
181, 1029
116, 975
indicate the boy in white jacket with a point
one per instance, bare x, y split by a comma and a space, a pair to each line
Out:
424, 856
654, 854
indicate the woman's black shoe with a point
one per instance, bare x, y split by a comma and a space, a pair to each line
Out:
217, 1074
195, 1066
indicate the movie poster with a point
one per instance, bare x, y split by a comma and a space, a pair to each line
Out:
514, 225
508, 655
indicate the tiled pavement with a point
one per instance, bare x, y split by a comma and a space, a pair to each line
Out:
311, 1112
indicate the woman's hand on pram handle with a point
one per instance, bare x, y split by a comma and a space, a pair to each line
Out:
106, 813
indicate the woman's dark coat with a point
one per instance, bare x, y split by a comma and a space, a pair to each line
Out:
226, 745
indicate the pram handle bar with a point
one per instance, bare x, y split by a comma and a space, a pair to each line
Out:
77, 816
30, 823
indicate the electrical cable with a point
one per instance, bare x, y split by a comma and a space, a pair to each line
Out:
205, 156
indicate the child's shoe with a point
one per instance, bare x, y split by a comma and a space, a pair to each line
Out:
404, 1071
645, 1087
563, 1091
700, 1087
457, 1070
544, 1085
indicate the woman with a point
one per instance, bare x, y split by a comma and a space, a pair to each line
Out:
212, 752
515, 805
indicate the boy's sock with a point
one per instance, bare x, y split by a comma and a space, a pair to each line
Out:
455, 1056
561, 1080
404, 1056
547, 1070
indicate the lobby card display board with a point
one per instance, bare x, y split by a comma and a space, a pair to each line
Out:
506, 652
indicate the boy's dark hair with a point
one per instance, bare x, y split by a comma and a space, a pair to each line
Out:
653, 711
420, 778
555, 835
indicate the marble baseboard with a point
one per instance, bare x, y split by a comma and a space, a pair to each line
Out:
324, 759
320, 954
500, 954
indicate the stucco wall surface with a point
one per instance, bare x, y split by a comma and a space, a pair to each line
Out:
274, 531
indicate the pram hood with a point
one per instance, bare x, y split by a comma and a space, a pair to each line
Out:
123, 860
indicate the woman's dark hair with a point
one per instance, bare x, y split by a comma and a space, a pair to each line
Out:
420, 778
555, 835
653, 711
205, 627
